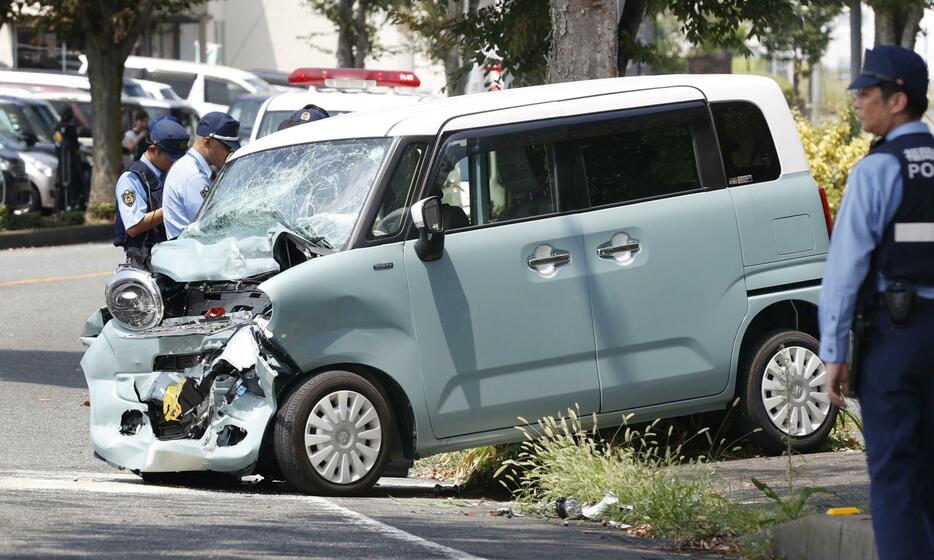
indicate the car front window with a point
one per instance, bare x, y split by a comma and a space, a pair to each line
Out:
315, 190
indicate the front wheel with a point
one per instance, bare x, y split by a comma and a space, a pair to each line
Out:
332, 435
784, 397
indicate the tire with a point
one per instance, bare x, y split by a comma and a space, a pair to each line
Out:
343, 457
35, 199
770, 408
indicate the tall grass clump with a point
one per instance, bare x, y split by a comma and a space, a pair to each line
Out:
670, 495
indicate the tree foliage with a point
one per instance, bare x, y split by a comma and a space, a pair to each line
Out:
517, 33
357, 27
432, 23
801, 38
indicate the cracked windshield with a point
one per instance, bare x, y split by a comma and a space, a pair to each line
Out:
314, 190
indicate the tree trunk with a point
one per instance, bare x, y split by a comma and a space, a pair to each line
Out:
105, 71
345, 35
856, 38
456, 69
898, 24
911, 26
885, 27
362, 39
107, 45
583, 40
796, 84
629, 22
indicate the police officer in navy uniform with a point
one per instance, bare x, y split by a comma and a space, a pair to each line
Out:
139, 224
882, 251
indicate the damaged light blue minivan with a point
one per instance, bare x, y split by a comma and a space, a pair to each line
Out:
373, 288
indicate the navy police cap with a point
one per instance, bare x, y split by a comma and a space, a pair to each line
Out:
308, 113
169, 136
222, 127
891, 63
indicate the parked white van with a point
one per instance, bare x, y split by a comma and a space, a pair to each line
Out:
207, 87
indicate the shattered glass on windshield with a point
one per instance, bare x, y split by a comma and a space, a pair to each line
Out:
315, 190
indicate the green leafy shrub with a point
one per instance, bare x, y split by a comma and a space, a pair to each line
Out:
26, 220
833, 147
102, 211
66, 218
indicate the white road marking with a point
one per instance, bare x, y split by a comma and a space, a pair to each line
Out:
127, 484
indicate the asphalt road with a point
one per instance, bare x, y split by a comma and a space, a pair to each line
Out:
56, 500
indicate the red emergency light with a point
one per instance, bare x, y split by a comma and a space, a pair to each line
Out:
347, 77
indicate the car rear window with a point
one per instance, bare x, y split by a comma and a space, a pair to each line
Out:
181, 82
746, 144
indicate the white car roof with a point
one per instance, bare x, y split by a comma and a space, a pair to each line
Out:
343, 101
44, 78
430, 117
170, 65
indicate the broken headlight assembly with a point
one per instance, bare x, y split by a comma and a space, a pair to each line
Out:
133, 298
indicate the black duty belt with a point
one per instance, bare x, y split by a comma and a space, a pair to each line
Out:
919, 302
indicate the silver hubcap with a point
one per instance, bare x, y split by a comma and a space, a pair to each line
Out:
794, 391
343, 437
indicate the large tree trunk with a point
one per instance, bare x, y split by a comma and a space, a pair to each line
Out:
108, 42
629, 22
911, 26
898, 24
456, 68
345, 35
105, 71
362, 40
583, 40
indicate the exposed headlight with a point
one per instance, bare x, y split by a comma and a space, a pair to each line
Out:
4, 165
38, 165
133, 298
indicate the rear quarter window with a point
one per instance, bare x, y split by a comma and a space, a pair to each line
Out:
746, 143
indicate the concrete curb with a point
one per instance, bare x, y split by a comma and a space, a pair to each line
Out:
825, 537
68, 235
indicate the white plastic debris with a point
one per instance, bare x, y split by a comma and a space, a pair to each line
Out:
597, 510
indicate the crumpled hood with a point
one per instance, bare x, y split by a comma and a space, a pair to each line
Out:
193, 260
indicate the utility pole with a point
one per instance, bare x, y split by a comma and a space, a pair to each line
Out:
856, 38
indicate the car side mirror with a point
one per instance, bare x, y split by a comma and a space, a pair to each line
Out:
426, 215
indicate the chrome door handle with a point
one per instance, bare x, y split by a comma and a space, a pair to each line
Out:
612, 250
545, 260
556, 260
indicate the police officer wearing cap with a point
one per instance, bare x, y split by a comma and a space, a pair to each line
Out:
881, 262
308, 113
138, 224
189, 181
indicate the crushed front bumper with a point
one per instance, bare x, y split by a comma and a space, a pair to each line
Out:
224, 365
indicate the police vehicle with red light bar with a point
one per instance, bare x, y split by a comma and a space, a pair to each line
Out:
337, 91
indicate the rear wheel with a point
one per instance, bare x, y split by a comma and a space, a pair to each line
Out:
332, 435
784, 394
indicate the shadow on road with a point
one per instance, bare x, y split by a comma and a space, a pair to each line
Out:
42, 367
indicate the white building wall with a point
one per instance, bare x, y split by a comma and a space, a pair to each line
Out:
279, 34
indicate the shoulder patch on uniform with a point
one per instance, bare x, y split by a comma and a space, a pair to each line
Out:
204, 192
129, 197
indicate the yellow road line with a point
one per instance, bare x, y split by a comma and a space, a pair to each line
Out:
47, 279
